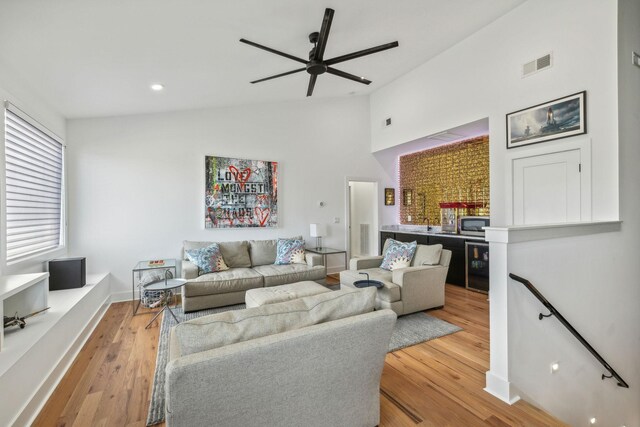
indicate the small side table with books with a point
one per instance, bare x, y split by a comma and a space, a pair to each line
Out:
144, 274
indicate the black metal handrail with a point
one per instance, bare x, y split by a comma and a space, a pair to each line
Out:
571, 329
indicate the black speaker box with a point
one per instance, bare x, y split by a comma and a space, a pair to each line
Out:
67, 273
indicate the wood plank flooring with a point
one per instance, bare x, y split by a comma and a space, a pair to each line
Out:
437, 383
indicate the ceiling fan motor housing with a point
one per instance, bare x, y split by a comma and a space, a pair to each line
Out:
313, 37
316, 67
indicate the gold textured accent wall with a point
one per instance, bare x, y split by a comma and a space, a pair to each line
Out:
457, 172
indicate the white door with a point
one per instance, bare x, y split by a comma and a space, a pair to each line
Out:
546, 188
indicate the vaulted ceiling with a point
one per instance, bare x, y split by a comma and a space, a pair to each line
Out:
90, 58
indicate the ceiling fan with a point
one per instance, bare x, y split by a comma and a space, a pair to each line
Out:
316, 64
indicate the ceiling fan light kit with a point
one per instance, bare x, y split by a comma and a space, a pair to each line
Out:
316, 64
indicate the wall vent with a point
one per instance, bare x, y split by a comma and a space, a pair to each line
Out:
387, 121
531, 67
364, 239
446, 136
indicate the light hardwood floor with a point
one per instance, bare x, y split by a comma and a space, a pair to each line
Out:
437, 383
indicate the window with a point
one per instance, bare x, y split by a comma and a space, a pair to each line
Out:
34, 164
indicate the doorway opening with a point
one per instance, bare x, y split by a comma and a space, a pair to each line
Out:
362, 218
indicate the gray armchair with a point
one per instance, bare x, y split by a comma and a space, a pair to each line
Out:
406, 290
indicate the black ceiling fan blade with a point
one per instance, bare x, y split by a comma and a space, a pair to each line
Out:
280, 75
324, 34
312, 83
348, 76
277, 52
360, 53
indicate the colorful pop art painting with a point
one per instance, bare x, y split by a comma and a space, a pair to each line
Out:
240, 193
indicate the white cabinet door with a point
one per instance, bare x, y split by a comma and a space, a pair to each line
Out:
546, 188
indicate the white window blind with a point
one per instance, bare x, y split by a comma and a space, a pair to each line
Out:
34, 186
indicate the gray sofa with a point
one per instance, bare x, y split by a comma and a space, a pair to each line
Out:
314, 361
405, 290
251, 265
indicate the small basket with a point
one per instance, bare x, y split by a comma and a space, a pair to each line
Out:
149, 298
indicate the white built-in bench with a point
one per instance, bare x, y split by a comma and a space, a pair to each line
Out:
34, 359
22, 294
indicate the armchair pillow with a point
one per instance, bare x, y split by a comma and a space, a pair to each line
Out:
208, 259
427, 255
290, 251
398, 255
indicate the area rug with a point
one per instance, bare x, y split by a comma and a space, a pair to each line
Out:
409, 330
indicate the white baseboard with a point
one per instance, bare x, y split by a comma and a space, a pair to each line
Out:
121, 296
124, 296
501, 388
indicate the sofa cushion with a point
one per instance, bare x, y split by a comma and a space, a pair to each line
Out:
208, 259
427, 255
236, 254
218, 330
232, 280
290, 251
389, 292
275, 275
262, 251
398, 255
274, 294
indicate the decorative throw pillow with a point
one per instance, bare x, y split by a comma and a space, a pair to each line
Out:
398, 255
289, 251
427, 255
151, 276
208, 259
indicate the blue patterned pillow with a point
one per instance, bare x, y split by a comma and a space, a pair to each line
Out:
289, 251
398, 255
208, 259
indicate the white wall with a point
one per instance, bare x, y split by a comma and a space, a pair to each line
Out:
137, 183
12, 89
480, 77
592, 282
590, 279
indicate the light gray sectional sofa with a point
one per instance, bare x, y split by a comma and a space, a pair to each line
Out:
314, 361
251, 265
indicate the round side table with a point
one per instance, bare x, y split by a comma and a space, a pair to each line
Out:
166, 286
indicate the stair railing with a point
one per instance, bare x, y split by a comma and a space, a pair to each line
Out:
554, 312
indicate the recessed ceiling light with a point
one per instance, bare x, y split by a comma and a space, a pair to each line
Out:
157, 87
